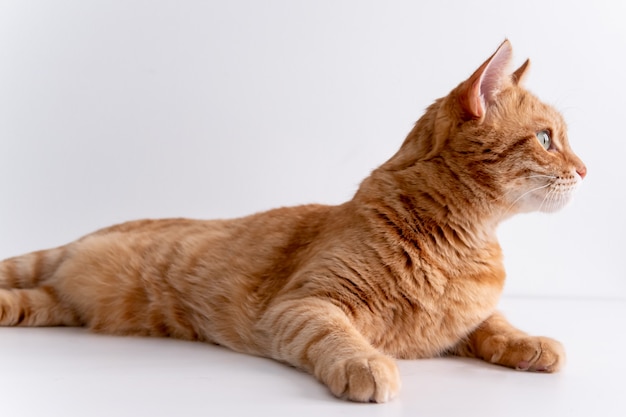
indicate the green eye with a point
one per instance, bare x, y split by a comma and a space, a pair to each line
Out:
544, 138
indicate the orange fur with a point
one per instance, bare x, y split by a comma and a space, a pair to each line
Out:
409, 268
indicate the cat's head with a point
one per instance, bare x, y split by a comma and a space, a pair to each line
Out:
498, 138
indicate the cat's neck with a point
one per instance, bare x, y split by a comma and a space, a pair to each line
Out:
430, 195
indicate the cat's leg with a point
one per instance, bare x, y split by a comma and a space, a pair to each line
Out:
497, 341
317, 336
35, 307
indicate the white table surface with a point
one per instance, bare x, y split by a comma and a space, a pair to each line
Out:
71, 372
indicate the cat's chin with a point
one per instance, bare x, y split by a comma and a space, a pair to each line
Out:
549, 203
552, 202
549, 198
553, 208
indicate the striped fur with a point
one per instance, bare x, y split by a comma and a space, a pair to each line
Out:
409, 268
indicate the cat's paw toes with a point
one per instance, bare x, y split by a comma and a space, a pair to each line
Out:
528, 353
365, 379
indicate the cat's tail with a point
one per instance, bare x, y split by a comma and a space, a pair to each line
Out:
28, 295
32, 269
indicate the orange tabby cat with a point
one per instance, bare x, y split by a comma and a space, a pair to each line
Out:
409, 268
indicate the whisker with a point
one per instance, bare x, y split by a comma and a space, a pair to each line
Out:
553, 177
521, 196
549, 199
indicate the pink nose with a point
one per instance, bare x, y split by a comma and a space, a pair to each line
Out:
582, 171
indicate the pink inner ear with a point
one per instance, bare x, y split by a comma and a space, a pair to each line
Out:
481, 89
495, 73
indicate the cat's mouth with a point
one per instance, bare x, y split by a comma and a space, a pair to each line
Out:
554, 195
549, 196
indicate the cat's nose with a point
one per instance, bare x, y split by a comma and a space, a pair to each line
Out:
582, 171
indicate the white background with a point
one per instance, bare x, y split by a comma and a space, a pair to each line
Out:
116, 110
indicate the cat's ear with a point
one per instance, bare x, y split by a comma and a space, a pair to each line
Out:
519, 75
481, 89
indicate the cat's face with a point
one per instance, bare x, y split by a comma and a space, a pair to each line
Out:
491, 146
523, 151
513, 142
545, 172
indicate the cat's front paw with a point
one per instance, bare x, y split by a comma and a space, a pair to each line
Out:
364, 379
527, 353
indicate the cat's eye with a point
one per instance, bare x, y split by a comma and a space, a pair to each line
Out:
544, 138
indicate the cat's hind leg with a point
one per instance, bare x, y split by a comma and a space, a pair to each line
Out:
39, 306
317, 336
499, 342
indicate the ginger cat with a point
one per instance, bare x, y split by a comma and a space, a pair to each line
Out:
409, 268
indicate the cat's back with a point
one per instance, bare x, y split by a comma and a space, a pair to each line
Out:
168, 276
262, 231
180, 247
